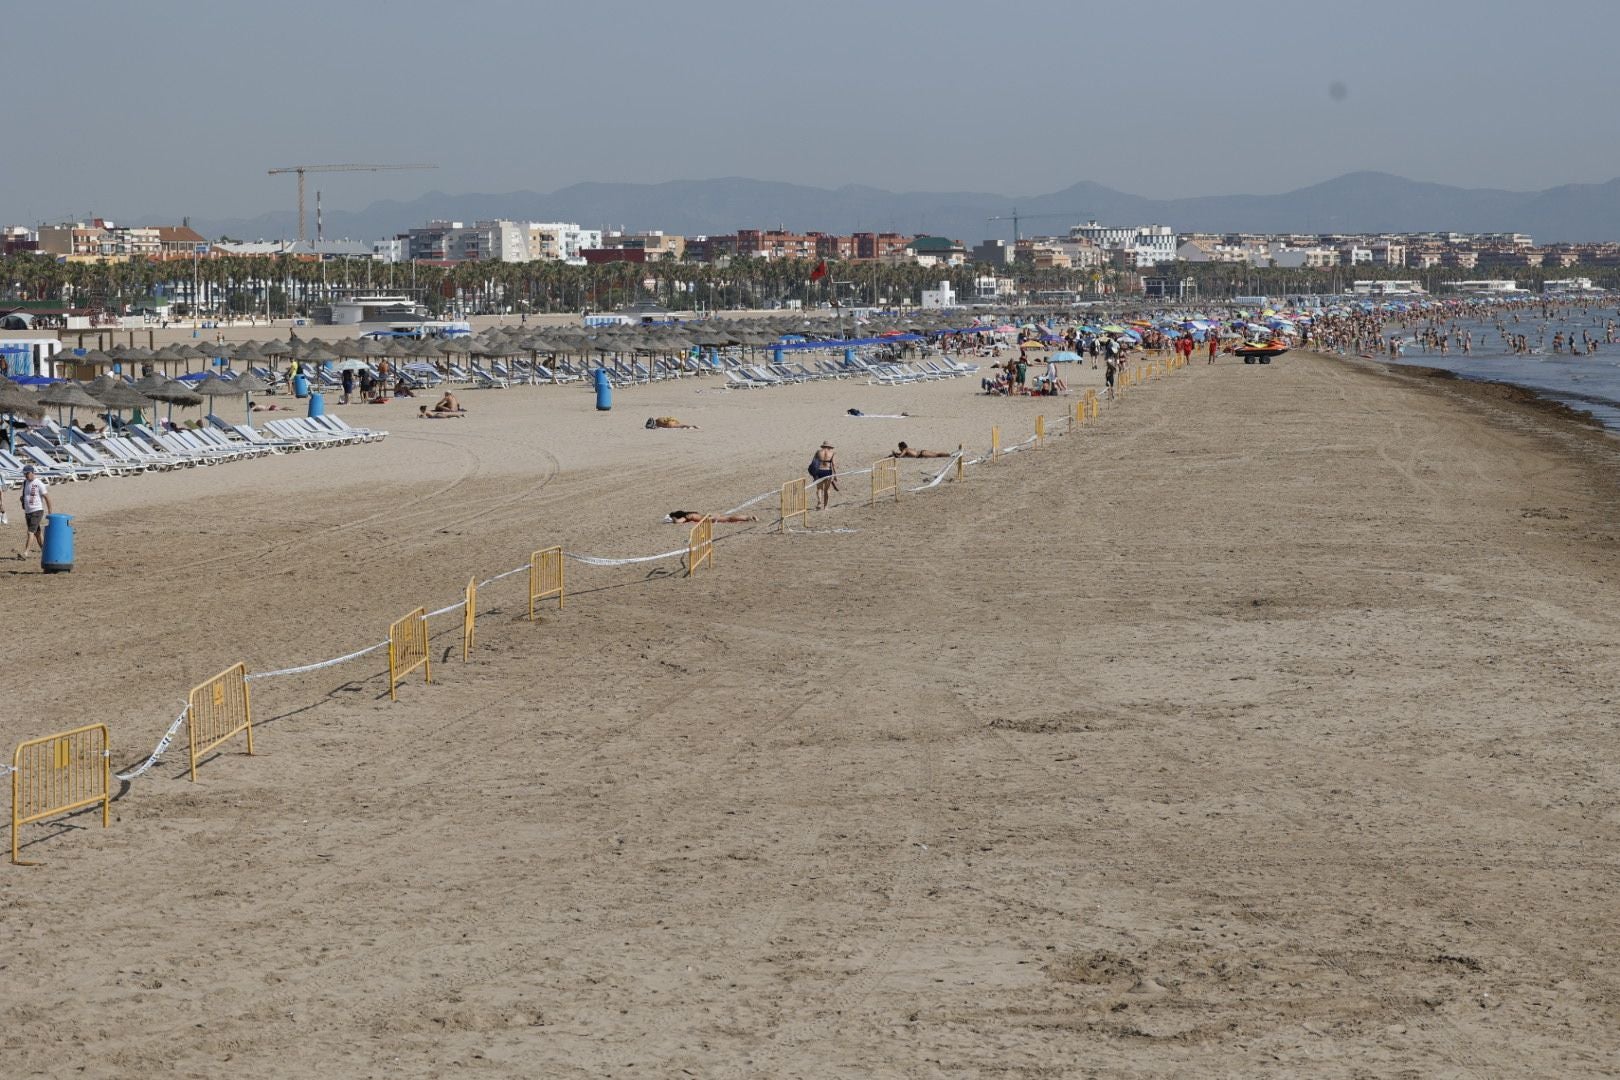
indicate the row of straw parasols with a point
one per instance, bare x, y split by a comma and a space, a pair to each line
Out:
107, 393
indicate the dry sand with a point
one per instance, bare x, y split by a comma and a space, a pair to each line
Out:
1260, 729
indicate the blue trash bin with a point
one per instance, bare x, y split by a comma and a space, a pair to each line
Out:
604, 391
317, 405
56, 557
300, 386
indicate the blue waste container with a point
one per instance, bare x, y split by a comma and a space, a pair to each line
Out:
317, 405
776, 354
300, 386
604, 391
57, 554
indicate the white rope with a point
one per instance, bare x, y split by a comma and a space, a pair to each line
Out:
598, 560
936, 481
740, 507
591, 560
157, 751
357, 654
524, 569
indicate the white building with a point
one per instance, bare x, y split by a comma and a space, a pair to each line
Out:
1387, 288
991, 289
389, 251
1570, 286
561, 241
1147, 245
942, 297
1486, 287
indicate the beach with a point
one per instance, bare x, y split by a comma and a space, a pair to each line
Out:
1260, 727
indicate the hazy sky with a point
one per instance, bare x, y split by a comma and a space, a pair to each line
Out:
170, 107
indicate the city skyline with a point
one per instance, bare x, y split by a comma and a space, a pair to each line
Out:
162, 118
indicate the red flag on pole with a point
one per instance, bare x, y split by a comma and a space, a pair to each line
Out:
820, 271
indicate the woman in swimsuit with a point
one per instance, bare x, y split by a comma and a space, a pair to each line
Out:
823, 470
692, 517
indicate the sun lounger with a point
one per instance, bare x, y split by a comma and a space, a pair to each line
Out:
737, 380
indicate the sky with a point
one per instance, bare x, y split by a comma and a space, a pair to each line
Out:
169, 108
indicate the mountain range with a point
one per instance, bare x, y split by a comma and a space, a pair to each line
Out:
1355, 202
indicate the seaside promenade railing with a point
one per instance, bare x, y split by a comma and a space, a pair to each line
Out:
66, 772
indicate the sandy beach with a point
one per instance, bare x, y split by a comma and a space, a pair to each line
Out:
1260, 728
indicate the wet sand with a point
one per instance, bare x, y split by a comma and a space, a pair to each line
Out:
1262, 728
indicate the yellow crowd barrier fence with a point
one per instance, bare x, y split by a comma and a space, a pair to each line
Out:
408, 650
217, 711
545, 577
68, 771
795, 502
885, 479
57, 774
700, 546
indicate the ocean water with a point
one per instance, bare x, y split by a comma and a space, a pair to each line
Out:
1590, 383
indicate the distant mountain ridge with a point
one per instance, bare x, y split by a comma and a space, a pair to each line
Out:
1355, 202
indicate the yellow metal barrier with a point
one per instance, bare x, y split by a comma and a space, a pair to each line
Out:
545, 577
408, 650
1040, 430
1093, 404
995, 443
885, 479
700, 546
56, 774
795, 502
216, 711
469, 621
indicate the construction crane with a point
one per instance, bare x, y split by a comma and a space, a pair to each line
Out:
1015, 217
302, 169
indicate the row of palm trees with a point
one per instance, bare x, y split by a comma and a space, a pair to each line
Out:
279, 286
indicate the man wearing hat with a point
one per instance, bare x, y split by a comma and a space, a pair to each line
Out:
823, 474
36, 503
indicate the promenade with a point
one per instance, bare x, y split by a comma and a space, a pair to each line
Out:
1262, 727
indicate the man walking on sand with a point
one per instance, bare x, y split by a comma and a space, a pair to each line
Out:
36, 503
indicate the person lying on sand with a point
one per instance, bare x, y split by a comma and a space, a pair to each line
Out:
668, 422
906, 451
692, 517
448, 404
422, 413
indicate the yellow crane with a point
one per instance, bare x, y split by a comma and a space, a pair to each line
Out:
302, 169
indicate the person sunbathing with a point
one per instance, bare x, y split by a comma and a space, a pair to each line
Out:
907, 451
422, 413
402, 390
448, 404
691, 517
668, 422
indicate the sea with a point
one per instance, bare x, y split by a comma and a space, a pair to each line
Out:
1589, 383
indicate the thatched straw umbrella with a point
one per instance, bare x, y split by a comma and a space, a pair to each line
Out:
71, 396
14, 402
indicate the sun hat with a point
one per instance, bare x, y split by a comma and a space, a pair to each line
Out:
827, 445
28, 470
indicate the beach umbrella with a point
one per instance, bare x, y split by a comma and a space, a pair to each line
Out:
71, 396
247, 384
213, 386
14, 402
